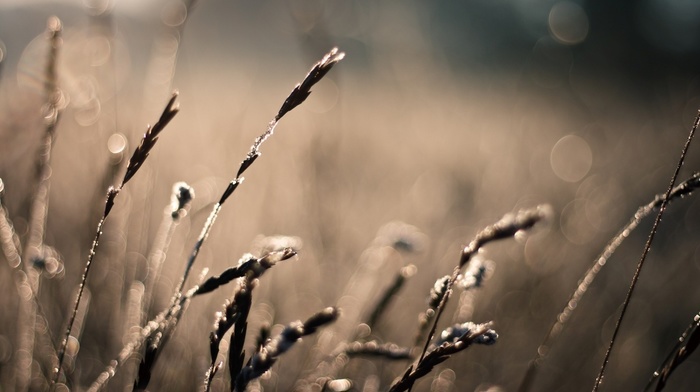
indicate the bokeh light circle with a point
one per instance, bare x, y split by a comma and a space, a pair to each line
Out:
571, 158
568, 23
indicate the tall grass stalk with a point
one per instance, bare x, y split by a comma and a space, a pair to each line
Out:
182, 195
684, 347
507, 227
683, 189
295, 98
647, 247
137, 159
35, 251
235, 313
268, 355
165, 322
456, 339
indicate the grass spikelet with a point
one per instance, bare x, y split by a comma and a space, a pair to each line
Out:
235, 314
149, 140
181, 198
506, 227
298, 95
263, 360
454, 343
687, 343
236, 310
302, 90
248, 266
137, 159
236, 352
294, 99
437, 293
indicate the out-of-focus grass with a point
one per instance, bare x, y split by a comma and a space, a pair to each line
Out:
401, 131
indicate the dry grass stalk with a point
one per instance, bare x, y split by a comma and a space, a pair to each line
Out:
151, 332
477, 273
685, 188
298, 95
647, 247
390, 293
456, 340
265, 358
156, 332
295, 98
687, 343
10, 246
137, 159
182, 196
166, 320
507, 227
34, 249
437, 293
235, 314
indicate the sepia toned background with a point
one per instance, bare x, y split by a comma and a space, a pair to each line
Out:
443, 115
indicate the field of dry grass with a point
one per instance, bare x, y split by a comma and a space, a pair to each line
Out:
397, 159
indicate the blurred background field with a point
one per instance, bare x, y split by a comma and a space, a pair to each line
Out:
444, 115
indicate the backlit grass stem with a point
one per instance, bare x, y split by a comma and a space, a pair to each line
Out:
507, 227
685, 346
295, 98
645, 252
137, 159
683, 189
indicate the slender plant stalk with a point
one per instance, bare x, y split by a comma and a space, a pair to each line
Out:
265, 358
235, 314
295, 98
180, 200
470, 334
390, 293
137, 159
154, 327
647, 247
683, 189
507, 227
10, 245
151, 328
34, 247
437, 293
170, 316
180, 299
685, 346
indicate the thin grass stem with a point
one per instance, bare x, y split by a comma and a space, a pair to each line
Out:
507, 227
34, 245
684, 347
295, 98
469, 334
137, 159
683, 189
647, 247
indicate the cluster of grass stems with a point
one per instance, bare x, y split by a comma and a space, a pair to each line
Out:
433, 344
